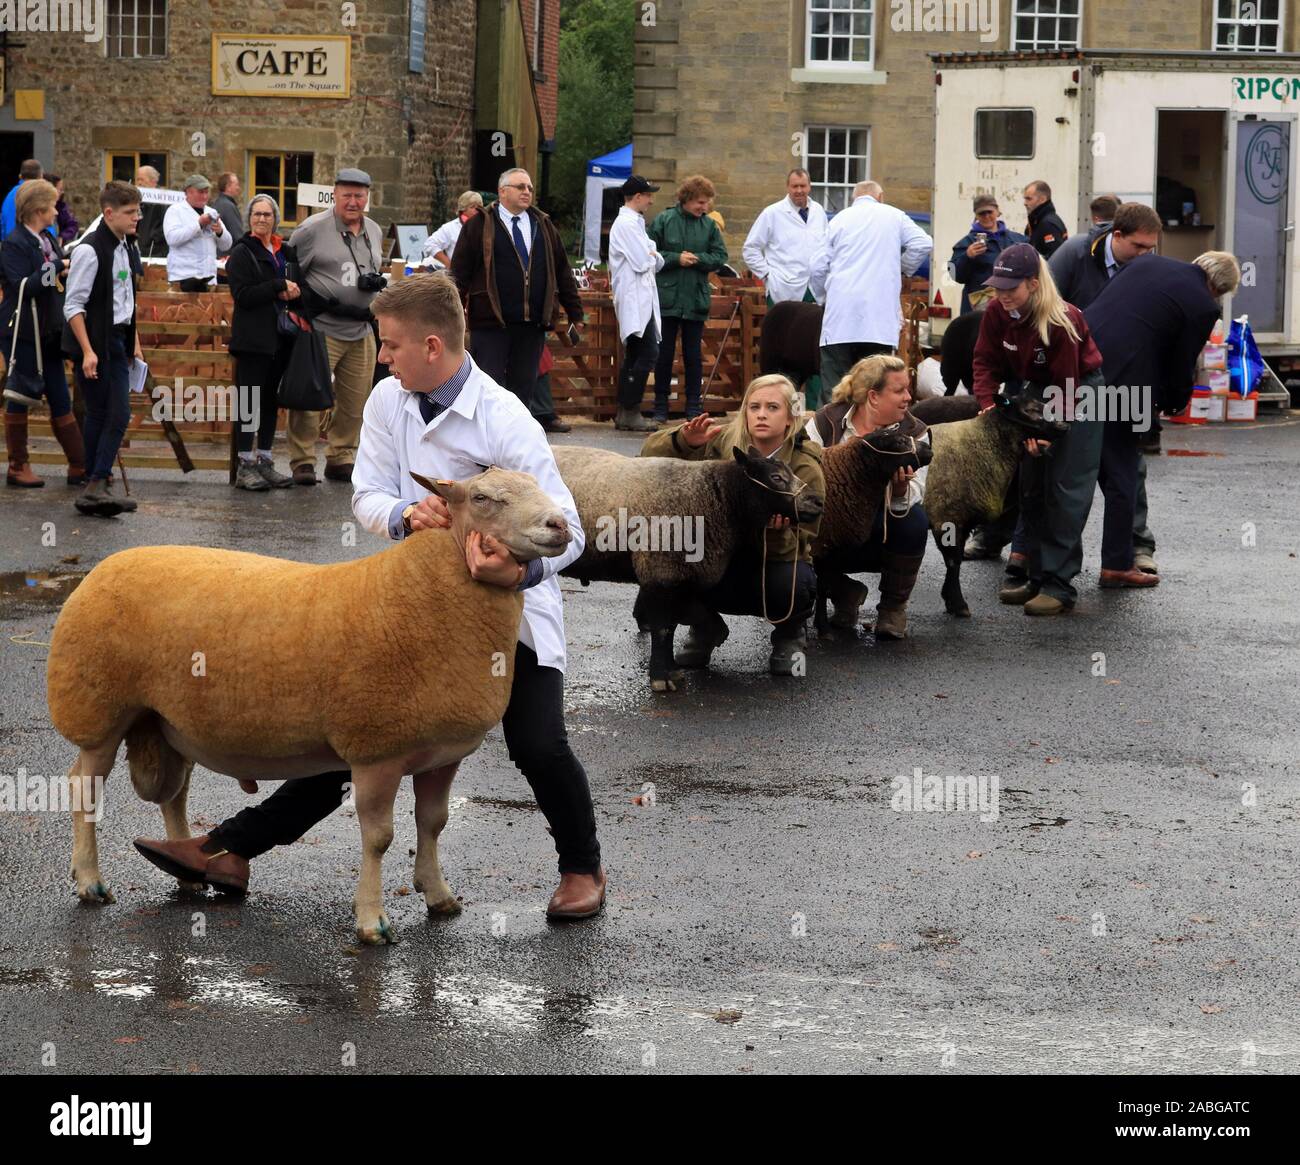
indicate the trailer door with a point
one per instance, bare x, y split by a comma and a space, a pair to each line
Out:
1263, 220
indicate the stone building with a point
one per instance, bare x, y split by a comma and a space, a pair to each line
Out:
280, 92
743, 91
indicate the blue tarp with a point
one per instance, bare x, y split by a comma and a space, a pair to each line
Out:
615, 164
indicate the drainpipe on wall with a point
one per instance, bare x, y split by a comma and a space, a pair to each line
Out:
545, 149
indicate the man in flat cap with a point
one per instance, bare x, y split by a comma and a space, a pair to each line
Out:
340, 269
195, 236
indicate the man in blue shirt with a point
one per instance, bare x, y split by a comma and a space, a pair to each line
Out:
8, 215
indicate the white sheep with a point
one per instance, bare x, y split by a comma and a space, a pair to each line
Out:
391, 664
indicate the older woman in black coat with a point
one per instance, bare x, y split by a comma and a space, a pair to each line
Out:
32, 265
259, 270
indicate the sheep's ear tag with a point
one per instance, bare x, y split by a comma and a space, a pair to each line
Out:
420, 479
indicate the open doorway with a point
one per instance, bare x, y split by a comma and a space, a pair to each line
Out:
15, 149
1191, 148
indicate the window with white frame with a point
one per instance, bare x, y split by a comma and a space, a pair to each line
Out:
1045, 24
839, 34
1248, 26
137, 28
837, 159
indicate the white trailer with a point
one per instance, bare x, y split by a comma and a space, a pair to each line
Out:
1206, 138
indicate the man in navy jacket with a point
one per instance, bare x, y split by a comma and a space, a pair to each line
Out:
1150, 322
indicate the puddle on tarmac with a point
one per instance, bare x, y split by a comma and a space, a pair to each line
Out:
743, 781
38, 587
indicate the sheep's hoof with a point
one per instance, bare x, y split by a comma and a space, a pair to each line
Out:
666, 685
379, 934
448, 907
192, 887
96, 894
962, 612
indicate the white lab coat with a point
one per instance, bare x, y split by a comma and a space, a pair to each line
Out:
780, 247
858, 272
486, 425
633, 262
191, 250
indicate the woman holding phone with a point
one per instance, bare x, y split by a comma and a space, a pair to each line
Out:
975, 252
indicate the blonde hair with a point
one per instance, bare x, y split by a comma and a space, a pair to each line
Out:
1046, 309
1220, 267
429, 301
468, 199
736, 435
867, 375
33, 196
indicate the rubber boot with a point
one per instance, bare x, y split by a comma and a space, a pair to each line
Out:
632, 421
20, 473
847, 595
68, 434
789, 649
896, 583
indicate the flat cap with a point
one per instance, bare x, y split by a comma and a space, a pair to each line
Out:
197, 182
352, 177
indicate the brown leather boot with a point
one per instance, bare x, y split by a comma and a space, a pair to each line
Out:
896, 583
68, 434
20, 473
577, 896
190, 862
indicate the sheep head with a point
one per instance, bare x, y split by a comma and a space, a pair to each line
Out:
889, 449
1025, 412
507, 506
777, 488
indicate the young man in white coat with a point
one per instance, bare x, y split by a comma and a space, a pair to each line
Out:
633, 262
858, 274
780, 246
441, 416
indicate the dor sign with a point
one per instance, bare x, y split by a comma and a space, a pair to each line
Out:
281, 66
313, 196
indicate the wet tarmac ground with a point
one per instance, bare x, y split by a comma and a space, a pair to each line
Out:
1133, 907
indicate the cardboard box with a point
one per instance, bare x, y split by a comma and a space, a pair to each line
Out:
1216, 379
1243, 408
1214, 356
1196, 410
1207, 406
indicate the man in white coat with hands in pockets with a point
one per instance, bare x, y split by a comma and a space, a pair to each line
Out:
780, 246
633, 262
858, 274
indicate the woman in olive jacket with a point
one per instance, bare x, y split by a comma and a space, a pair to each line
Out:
776, 580
692, 246
258, 269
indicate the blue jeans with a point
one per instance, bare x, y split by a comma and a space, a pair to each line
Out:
108, 406
56, 383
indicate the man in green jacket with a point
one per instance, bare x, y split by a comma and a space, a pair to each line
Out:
692, 246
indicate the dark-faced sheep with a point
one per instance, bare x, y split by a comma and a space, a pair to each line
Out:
974, 462
394, 664
857, 473
673, 527
790, 340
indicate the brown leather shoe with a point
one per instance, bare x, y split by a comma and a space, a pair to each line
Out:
340, 471
1128, 578
304, 474
186, 860
577, 896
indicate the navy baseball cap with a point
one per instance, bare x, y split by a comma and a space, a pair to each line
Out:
638, 185
1014, 265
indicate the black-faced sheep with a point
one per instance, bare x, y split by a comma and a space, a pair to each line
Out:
392, 664
974, 462
673, 527
857, 473
790, 340
957, 351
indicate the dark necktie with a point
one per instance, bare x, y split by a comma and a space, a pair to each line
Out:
803, 213
428, 409
519, 240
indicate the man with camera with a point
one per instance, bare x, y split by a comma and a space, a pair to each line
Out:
340, 268
195, 236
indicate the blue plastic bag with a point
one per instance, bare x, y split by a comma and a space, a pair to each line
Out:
1245, 364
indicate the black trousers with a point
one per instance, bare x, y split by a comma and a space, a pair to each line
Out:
1118, 478
639, 356
692, 333
259, 379
510, 356
745, 584
538, 745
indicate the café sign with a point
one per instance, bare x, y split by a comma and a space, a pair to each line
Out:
281, 66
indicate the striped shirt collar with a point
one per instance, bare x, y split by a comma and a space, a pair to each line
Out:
444, 396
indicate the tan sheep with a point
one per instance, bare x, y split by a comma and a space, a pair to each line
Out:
392, 664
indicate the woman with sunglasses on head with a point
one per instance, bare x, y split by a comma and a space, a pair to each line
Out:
774, 579
874, 395
975, 252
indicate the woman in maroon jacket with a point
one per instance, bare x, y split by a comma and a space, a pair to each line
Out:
1032, 340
